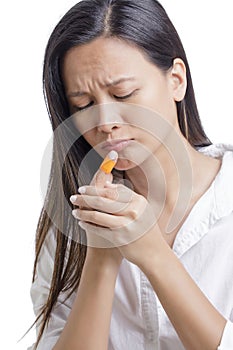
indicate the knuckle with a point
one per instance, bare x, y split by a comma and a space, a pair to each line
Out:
106, 193
127, 227
111, 193
84, 201
94, 215
99, 202
142, 201
134, 213
78, 214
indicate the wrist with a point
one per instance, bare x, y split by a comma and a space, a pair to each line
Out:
157, 260
103, 260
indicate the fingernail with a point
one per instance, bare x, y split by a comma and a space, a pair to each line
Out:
109, 162
74, 213
81, 224
113, 155
82, 189
73, 198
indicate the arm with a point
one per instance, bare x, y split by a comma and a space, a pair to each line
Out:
104, 277
89, 321
196, 321
198, 324
88, 324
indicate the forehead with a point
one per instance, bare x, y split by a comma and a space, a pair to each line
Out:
108, 56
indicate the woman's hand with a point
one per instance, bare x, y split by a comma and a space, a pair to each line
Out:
109, 257
122, 218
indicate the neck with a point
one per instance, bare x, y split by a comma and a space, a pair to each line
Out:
159, 175
175, 176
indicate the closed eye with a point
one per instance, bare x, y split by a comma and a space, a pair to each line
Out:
123, 97
91, 103
76, 108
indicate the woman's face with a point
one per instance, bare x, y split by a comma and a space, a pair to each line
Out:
107, 71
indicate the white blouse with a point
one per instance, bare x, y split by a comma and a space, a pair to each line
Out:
204, 245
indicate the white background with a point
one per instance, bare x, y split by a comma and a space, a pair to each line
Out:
206, 30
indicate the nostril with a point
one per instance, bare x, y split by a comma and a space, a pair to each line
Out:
108, 127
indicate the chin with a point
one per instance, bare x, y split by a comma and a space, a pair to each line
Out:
124, 164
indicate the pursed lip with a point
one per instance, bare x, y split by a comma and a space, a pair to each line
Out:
113, 143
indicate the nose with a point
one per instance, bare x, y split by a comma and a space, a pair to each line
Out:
107, 128
108, 118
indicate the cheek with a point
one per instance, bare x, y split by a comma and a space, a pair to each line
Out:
85, 127
160, 99
90, 138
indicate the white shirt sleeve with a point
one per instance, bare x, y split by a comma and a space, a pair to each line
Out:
40, 291
227, 338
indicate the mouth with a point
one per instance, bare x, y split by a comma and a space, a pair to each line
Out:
116, 145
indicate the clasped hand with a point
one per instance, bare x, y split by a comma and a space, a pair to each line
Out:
115, 216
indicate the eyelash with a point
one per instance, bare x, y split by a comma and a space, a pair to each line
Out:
117, 97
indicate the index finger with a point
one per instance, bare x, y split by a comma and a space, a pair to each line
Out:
117, 192
103, 174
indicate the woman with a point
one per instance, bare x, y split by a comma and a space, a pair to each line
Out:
112, 275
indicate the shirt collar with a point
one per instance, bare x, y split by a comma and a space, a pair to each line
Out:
213, 205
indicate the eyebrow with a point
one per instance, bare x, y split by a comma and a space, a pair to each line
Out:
113, 83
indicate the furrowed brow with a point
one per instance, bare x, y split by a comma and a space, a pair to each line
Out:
112, 83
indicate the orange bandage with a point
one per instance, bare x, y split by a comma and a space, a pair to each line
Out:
109, 162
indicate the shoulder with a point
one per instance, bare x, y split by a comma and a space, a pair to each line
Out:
222, 185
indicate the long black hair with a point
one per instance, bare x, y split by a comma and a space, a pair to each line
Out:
144, 24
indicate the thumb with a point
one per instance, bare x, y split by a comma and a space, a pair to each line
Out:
103, 174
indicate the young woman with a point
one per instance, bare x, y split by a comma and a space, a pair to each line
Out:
108, 272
